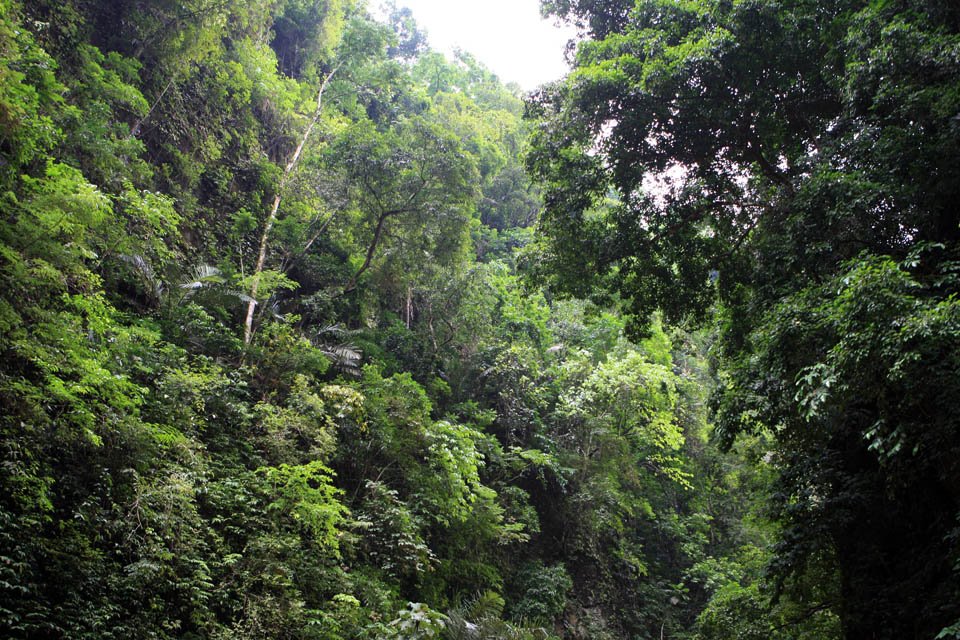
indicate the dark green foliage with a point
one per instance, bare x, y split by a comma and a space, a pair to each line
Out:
791, 170
541, 592
410, 442
872, 352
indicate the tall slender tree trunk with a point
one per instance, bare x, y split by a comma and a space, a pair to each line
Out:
409, 305
135, 129
272, 217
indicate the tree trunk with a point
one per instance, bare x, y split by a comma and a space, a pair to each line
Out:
268, 226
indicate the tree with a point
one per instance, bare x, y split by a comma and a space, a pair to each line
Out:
748, 157
413, 176
410, 422
288, 171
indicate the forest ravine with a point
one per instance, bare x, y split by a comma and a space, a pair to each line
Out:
308, 331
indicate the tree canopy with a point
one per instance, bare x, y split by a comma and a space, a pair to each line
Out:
308, 331
788, 170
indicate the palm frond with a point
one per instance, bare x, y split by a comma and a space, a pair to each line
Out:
203, 275
480, 619
144, 270
345, 357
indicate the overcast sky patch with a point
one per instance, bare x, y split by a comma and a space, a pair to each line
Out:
508, 36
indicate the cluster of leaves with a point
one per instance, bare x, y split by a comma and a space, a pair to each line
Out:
790, 170
268, 369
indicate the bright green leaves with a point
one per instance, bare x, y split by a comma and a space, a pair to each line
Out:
270, 283
629, 400
441, 459
29, 95
306, 33
151, 225
276, 96
79, 382
105, 103
59, 216
523, 316
452, 451
306, 494
75, 355
301, 431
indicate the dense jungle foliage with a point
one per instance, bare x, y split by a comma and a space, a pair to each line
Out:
308, 331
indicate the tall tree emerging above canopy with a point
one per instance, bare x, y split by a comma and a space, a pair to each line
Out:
766, 155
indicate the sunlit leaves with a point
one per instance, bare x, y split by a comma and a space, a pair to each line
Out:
628, 399
306, 494
411, 422
29, 95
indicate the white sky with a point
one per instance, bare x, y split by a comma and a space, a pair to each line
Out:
508, 36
